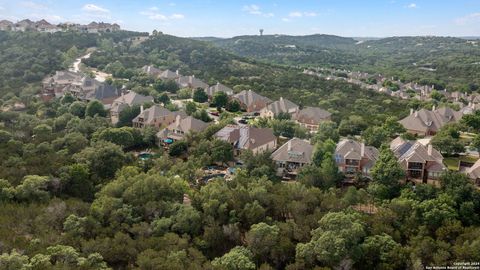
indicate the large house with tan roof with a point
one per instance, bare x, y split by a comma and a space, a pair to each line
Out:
156, 116
127, 100
282, 105
427, 123
311, 117
248, 138
218, 88
182, 126
420, 162
191, 82
354, 157
251, 101
292, 156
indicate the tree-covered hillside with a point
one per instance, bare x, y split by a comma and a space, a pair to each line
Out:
448, 62
212, 64
27, 57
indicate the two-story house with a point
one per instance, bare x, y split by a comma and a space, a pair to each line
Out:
354, 157
182, 126
282, 105
156, 116
292, 156
311, 117
127, 100
248, 138
251, 101
421, 163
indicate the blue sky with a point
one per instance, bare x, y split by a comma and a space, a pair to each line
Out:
224, 18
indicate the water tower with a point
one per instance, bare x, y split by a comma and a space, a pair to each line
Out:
261, 32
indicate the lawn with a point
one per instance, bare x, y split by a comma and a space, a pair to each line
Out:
452, 162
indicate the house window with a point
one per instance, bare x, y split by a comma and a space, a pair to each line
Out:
415, 166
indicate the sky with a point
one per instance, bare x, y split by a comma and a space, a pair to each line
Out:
226, 18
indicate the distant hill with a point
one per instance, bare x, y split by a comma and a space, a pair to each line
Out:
446, 61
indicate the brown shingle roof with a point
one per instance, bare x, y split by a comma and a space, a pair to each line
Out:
295, 150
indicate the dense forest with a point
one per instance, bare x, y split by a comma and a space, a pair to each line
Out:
73, 194
451, 63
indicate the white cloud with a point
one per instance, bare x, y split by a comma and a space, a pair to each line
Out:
33, 5
299, 14
412, 5
153, 14
95, 8
172, 4
255, 10
467, 19
295, 14
286, 19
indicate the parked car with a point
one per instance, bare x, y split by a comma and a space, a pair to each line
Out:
215, 113
243, 121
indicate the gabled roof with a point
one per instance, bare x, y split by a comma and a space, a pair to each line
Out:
191, 81
295, 150
188, 124
415, 151
6, 23
103, 91
424, 120
474, 171
155, 112
168, 75
66, 76
246, 137
248, 97
219, 88
282, 105
151, 70
132, 98
351, 149
129, 99
312, 115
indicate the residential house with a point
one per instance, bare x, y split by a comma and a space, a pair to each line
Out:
6, 25
421, 162
280, 106
152, 71
251, 101
156, 116
354, 157
180, 127
292, 156
24, 25
246, 137
105, 93
470, 108
191, 82
425, 123
311, 117
101, 27
218, 88
127, 100
46, 27
54, 86
474, 173
169, 75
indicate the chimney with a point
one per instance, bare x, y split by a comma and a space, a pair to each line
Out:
289, 145
362, 149
411, 111
141, 108
429, 149
218, 83
416, 113
177, 120
177, 72
434, 107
